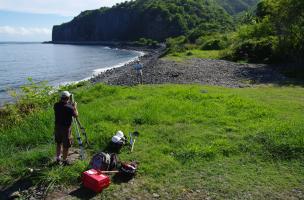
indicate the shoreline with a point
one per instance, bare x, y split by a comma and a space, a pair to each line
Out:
142, 52
149, 54
193, 71
148, 59
99, 71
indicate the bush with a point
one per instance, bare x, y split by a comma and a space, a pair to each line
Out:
9, 115
215, 41
254, 50
189, 53
213, 44
206, 29
258, 30
146, 42
28, 99
33, 95
176, 44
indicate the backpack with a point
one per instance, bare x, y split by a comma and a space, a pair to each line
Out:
104, 161
128, 169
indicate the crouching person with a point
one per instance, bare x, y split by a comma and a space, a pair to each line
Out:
64, 113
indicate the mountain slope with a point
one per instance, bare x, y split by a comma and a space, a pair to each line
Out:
155, 19
236, 6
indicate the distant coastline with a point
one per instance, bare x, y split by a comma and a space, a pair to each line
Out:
112, 44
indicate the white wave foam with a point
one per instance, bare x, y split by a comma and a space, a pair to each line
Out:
101, 70
98, 71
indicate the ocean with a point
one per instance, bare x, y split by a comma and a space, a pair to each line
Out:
58, 64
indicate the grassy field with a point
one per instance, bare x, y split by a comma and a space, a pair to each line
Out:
196, 141
194, 53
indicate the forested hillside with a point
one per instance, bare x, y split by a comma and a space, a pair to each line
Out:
273, 33
236, 6
154, 19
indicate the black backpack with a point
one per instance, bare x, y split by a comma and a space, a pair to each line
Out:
128, 169
104, 161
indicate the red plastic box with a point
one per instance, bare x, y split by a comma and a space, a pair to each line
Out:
94, 180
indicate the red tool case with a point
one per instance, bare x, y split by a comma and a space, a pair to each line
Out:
95, 180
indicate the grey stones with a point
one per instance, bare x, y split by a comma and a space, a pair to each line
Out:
198, 71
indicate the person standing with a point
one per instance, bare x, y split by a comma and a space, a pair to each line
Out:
139, 73
64, 113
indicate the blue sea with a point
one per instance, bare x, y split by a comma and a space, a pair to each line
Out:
57, 64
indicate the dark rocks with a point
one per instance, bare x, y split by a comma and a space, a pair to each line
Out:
200, 71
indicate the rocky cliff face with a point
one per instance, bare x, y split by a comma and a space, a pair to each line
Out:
116, 25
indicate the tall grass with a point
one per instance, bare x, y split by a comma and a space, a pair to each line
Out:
200, 133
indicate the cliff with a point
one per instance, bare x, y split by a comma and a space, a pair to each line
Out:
155, 19
115, 24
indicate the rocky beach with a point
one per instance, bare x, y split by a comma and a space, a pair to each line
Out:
159, 70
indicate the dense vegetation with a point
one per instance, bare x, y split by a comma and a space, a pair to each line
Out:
236, 6
272, 33
153, 19
196, 141
275, 34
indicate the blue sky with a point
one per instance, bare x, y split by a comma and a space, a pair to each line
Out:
32, 20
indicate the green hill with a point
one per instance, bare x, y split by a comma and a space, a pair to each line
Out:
236, 6
154, 19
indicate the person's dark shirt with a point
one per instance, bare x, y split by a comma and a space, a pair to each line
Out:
63, 114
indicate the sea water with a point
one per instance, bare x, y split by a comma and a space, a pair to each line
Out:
57, 64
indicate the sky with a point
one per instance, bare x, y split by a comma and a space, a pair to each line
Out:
32, 20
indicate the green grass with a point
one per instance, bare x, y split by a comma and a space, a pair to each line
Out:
196, 141
194, 53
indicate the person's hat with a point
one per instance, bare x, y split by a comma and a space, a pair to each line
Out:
120, 134
65, 94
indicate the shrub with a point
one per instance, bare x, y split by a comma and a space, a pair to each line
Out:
205, 30
146, 42
176, 44
189, 53
215, 41
255, 50
258, 30
213, 44
32, 95
28, 99
8, 116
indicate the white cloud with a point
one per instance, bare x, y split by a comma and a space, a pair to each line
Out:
22, 31
60, 7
